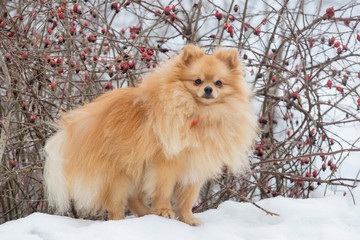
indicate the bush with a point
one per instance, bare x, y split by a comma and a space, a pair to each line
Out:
303, 65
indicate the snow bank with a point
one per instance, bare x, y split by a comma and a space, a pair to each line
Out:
330, 217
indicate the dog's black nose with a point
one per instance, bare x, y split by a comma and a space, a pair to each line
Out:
208, 90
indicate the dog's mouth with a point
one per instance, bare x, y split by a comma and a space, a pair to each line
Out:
207, 96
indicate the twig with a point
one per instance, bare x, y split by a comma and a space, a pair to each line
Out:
246, 199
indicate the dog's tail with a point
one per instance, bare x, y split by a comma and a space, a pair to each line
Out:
56, 186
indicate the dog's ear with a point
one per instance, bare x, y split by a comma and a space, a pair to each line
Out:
191, 52
230, 57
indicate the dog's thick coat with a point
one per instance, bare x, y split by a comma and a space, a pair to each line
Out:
159, 142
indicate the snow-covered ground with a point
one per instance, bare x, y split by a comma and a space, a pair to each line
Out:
331, 217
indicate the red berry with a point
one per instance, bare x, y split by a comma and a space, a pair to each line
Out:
109, 86
340, 89
312, 42
329, 83
46, 43
323, 167
246, 26
358, 37
339, 50
131, 65
218, 15
257, 31
75, 8
302, 161
295, 95
3, 24
103, 30
136, 29
236, 8
230, 29
8, 56
213, 35
262, 120
32, 118
149, 52
330, 10
173, 8
58, 61
332, 166
337, 44
91, 38
48, 58
53, 85
12, 163
114, 5
312, 132
52, 62
315, 173
167, 10
226, 25
307, 174
358, 101
329, 13
264, 21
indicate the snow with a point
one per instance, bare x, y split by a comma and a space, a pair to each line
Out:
331, 217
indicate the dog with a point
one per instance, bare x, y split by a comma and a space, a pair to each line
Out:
155, 144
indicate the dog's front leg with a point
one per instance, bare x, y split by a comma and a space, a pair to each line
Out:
185, 196
159, 183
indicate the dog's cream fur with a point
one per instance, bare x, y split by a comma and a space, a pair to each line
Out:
132, 145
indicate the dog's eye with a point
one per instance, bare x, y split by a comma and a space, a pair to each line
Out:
198, 81
218, 83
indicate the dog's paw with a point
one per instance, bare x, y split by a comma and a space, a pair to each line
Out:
192, 221
165, 212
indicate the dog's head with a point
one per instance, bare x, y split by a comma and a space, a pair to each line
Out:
210, 78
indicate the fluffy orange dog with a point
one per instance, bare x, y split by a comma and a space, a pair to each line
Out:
156, 143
